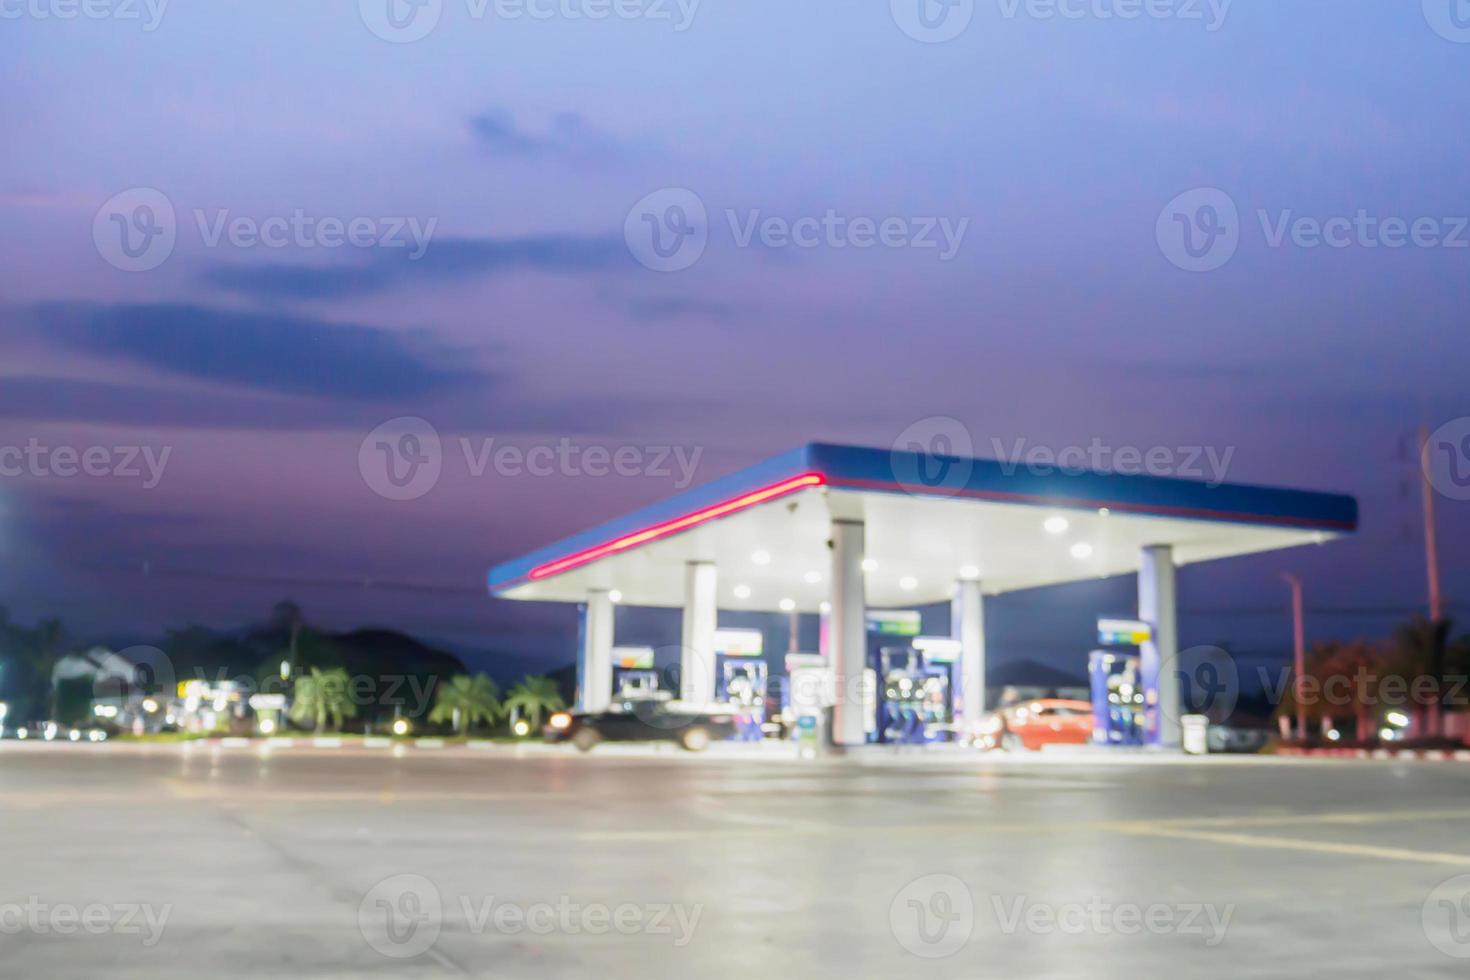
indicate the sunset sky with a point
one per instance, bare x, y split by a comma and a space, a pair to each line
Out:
510, 150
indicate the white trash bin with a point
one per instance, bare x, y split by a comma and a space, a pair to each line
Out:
1196, 734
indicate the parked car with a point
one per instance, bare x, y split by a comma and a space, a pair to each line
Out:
641, 721
1034, 724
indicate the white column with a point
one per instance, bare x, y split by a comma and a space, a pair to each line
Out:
967, 624
697, 662
1159, 658
597, 644
848, 635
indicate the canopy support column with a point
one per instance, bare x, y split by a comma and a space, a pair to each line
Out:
967, 624
697, 661
848, 638
1159, 657
594, 666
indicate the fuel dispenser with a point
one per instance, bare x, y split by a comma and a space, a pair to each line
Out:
634, 677
741, 678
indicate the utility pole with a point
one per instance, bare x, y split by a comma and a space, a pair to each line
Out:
1299, 652
1431, 536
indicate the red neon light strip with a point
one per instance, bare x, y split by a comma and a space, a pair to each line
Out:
678, 524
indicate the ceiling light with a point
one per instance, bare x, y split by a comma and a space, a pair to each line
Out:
969, 571
908, 583
1103, 512
742, 592
615, 596
761, 558
825, 606
1081, 550
812, 578
1057, 525
870, 564
788, 605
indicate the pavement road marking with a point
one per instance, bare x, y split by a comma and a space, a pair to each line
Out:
1180, 826
1297, 844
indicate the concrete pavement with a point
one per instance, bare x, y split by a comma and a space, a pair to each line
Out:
170, 860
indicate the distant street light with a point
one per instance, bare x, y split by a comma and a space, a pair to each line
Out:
1299, 653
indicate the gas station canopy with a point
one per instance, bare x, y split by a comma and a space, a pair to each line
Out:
930, 520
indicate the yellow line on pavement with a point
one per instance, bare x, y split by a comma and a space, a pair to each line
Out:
1297, 844
775, 825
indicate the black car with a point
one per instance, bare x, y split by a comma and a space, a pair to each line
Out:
641, 721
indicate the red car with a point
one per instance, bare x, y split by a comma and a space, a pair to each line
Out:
1034, 724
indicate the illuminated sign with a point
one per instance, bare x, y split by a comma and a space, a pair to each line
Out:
804, 661
1112, 632
740, 643
938, 649
894, 622
633, 658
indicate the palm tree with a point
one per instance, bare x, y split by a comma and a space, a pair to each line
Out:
322, 697
44, 649
466, 701
533, 696
1422, 645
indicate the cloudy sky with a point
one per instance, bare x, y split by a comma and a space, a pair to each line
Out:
243, 235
